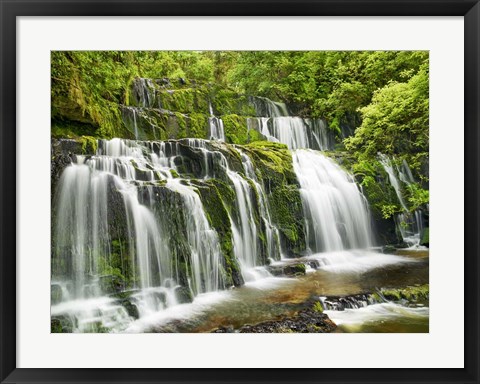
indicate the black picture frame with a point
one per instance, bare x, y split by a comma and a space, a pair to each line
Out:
9, 10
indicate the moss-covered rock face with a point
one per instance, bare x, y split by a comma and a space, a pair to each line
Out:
154, 109
61, 324
218, 199
425, 237
273, 164
412, 294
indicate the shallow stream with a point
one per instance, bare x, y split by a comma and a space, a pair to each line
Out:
340, 274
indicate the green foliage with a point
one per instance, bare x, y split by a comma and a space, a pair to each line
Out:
417, 196
318, 307
388, 210
330, 84
396, 121
89, 144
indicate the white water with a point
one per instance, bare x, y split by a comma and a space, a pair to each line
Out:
410, 225
276, 124
217, 132
128, 170
335, 210
246, 242
271, 231
356, 261
355, 319
336, 213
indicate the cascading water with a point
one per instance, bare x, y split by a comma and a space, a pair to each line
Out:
336, 212
409, 225
132, 237
121, 209
275, 123
217, 131
121, 184
246, 242
271, 231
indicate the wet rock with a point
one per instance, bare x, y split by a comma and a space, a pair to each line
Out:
164, 81
315, 264
340, 303
131, 308
110, 284
61, 324
183, 295
227, 329
63, 153
289, 270
309, 320
424, 237
388, 249
55, 294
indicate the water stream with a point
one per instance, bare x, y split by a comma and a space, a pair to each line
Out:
409, 224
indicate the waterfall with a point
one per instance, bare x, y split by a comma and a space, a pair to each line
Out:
144, 91
124, 187
245, 231
336, 212
276, 124
409, 225
271, 231
216, 126
126, 221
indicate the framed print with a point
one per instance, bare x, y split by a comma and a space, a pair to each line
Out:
193, 191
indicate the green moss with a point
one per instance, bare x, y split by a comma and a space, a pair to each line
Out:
377, 189
218, 198
197, 125
89, 144
375, 297
425, 237
235, 127
184, 100
254, 135
227, 102
61, 324
182, 126
273, 164
71, 129
318, 307
411, 293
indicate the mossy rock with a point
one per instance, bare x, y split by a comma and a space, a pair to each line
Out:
290, 270
61, 324
411, 294
183, 295
56, 294
130, 307
273, 164
425, 237
218, 198
235, 127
